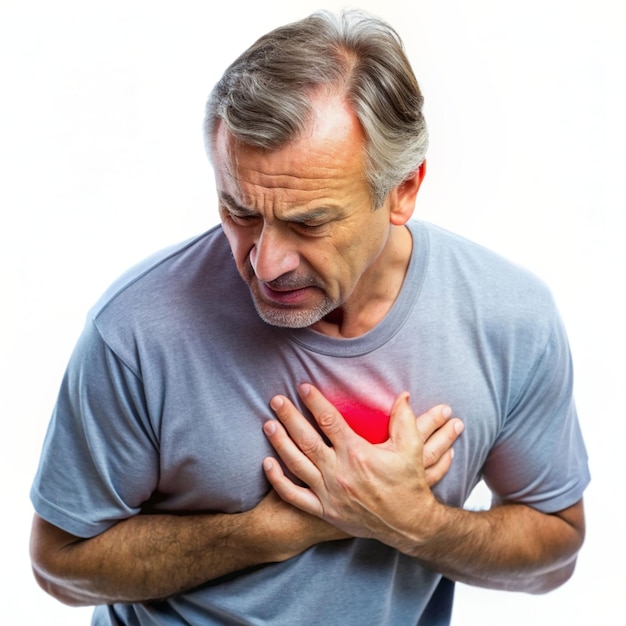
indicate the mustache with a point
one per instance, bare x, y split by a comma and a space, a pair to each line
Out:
288, 281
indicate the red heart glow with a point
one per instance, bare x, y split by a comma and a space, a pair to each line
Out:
368, 422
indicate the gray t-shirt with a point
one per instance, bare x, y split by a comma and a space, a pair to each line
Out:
164, 397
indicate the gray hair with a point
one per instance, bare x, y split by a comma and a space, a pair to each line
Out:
264, 97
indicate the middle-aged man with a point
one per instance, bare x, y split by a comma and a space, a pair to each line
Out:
228, 451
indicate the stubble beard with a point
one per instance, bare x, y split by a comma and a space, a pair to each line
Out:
285, 316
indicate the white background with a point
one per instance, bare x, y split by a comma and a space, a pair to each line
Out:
101, 163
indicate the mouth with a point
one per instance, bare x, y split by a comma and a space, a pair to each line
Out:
285, 295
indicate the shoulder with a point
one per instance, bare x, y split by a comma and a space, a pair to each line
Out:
171, 297
483, 295
182, 260
468, 270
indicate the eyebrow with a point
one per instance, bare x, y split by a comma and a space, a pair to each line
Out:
325, 213
231, 203
313, 215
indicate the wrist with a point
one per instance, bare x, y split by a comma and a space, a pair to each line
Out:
424, 526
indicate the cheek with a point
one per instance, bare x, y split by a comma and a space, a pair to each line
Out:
359, 253
345, 254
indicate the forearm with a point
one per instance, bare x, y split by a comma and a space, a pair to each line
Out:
148, 557
511, 547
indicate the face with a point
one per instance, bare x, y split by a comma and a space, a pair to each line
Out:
300, 220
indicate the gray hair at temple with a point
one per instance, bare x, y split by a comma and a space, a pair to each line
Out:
264, 97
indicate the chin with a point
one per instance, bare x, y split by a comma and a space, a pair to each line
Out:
286, 318
291, 318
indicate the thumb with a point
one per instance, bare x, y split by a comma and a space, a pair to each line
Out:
402, 422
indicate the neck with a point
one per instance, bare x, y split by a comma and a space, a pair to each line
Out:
375, 293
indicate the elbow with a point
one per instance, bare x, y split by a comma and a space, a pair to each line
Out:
539, 583
50, 569
557, 576
57, 591
553, 580
564, 569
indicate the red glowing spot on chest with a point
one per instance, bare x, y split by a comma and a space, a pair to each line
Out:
368, 422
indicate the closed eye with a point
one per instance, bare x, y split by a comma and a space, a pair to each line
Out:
238, 215
243, 220
313, 222
309, 227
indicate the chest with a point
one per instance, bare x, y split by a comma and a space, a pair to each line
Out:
209, 415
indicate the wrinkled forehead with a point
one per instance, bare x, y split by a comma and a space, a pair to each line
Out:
324, 166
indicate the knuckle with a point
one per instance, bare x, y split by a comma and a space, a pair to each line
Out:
327, 420
430, 457
358, 457
310, 444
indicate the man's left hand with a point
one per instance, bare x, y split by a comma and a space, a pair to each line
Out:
364, 489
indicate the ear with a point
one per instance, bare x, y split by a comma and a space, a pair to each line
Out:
402, 198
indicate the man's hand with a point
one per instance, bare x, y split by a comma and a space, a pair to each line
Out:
382, 491
361, 488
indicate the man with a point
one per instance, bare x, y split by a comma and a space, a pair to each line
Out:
229, 451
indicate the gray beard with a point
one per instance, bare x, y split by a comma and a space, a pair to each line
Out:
291, 318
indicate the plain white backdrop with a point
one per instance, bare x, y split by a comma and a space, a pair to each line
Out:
102, 162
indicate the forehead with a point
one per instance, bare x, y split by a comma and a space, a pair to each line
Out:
328, 158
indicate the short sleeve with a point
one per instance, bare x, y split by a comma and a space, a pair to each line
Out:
539, 458
100, 455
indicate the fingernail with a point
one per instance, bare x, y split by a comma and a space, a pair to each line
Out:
446, 411
269, 428
267, 464
459, 427
277, 402
305, 389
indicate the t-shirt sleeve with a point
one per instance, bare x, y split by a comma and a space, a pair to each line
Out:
539, 458
100, 456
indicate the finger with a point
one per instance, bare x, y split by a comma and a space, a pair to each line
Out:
293, 494
291, 455
296, 441
436, 472
328, 418
300, 429
441, 441
429, 422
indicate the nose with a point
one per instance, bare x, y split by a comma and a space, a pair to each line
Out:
274, 253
